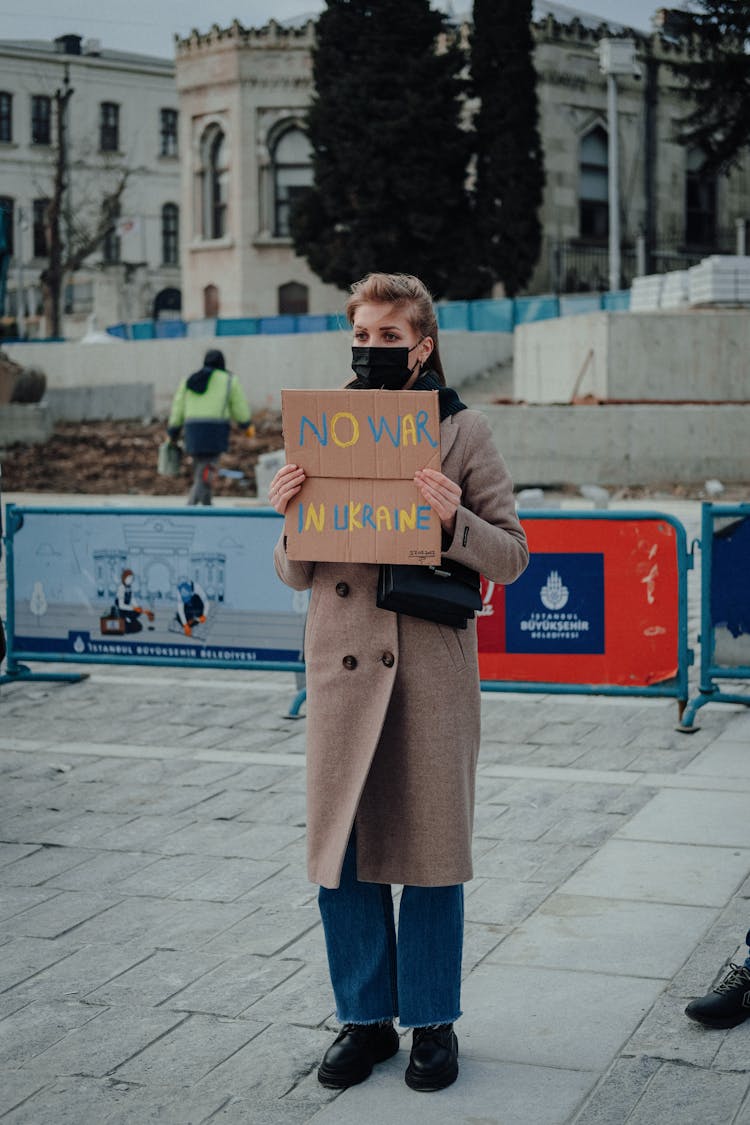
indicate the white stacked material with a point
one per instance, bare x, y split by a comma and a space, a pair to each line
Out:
645, 292
674, 291
722, 279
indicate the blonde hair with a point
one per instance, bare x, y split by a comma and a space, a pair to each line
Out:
406, 292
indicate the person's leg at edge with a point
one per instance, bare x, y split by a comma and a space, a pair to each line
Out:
430, 945
203, 471
360, 940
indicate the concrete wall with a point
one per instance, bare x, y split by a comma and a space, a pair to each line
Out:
91, 404
25, 423
627, 444
264, 364
692, 354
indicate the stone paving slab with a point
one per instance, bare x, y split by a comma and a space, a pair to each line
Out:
612, 862
504, 1092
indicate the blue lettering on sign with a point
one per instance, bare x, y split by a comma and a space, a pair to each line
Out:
557, 605
322, 437
378, 433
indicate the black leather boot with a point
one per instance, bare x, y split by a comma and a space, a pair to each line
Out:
354, 1052
727, 1004
433, 1063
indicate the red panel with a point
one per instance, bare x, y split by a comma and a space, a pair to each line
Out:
641, 606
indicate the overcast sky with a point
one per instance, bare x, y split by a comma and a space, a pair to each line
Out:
148, 26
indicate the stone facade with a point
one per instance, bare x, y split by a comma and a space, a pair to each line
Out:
252, 86
680, 215
256, 84
123, 279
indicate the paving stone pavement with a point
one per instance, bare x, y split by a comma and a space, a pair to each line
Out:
161, 957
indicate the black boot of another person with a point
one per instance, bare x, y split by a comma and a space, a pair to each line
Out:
354, 1052
727, 1004
433, 1063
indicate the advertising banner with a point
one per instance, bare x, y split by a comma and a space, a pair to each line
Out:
598, 604
157, 585
360, 450
730, 591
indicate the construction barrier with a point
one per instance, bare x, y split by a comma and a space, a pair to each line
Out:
161, 586
725, 606
601, 608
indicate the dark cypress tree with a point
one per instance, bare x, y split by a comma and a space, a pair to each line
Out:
389, 155
509, 161
717, 81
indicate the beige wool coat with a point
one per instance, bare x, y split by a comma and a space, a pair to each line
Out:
393, 703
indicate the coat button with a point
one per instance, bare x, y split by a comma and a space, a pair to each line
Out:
342, 589
388, 659
350, 663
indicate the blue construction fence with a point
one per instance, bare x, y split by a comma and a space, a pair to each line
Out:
497, 315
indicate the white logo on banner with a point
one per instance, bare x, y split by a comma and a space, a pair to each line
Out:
553, 594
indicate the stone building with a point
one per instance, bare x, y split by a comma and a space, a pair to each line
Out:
243, 95
123, 114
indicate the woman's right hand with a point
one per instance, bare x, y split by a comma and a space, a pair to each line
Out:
285, 486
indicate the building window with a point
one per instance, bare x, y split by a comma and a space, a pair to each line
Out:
112, 244
210, 301
6, 117
294, 299
168, 132
170, 233
594, 184
39, 228
41, 119
8, 214
292, 172
700, 202
109, 127
215, 182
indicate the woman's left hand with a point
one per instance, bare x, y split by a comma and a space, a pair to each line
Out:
441, 493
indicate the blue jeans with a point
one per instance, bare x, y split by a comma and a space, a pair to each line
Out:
377, 976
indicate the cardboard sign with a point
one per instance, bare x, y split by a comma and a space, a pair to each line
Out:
360, 450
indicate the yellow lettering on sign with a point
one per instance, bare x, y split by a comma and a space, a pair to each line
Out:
383, 518
317, 518
407, 519
408, 430
355, 429
354, 521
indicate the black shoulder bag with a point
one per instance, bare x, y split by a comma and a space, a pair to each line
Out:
448, 594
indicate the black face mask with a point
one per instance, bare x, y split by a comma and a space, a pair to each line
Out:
383, 367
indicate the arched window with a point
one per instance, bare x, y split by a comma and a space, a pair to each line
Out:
167, 304
211, 301
170, 234
294, 298
215, 182
594, 184
700, 201
291, 168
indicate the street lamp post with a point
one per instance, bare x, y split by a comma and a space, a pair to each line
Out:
616, 57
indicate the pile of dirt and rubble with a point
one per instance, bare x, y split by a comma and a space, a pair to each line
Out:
119, 458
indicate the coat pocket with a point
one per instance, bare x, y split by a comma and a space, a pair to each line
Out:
452, 640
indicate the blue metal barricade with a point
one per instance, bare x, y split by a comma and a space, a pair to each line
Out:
725, 606
156, 586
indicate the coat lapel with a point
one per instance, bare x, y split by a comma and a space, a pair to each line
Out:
448, 434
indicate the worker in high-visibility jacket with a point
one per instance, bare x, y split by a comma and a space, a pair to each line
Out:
205, 405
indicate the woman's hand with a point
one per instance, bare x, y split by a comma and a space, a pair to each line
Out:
285, 486
441, 494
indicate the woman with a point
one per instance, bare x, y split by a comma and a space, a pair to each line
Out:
393, 725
